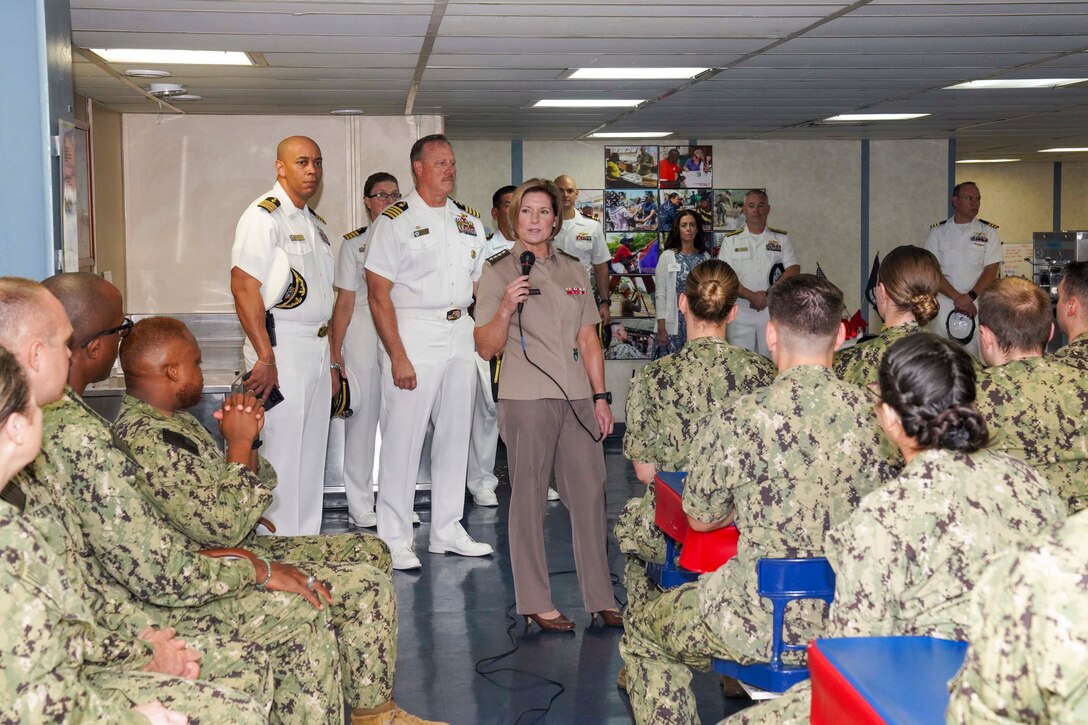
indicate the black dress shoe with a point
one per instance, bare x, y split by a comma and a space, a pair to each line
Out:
558, 623
610, 618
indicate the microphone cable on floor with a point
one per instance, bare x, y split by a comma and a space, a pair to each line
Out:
493, 659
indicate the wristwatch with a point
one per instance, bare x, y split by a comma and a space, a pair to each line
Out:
606, 397
972, 294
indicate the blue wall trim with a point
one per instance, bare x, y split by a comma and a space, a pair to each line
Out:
517, 170
1057, 196
866, 263
951, 172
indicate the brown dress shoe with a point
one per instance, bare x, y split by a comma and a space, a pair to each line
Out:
731, 688
610, 618
621, 679
558, 623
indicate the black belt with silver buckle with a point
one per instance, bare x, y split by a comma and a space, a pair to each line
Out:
454, 314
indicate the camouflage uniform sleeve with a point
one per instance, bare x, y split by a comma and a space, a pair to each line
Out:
715, 468
41, 679
641, 430
1028, 660
128, 536
214, 502
868, 576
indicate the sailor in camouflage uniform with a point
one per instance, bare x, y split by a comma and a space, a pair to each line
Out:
784, 463
907, 284
217, 501
907, 560
667, 404
139, 571
1072, 314
1029, 639
59, 661
1037, 408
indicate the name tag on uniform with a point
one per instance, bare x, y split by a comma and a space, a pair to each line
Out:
465, 225
742, 253
298, 237
773, 246
576, 290
421, 232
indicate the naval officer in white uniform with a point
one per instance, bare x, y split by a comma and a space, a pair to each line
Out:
583, 238
758, 254
354, 344
425, 256
969, 250
296, 430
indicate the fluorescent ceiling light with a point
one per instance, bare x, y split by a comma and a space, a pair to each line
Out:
1015, 83
1067, 150
848, 117
173, 57
347, 112
588, 103
631, 134
627, 74
986, 161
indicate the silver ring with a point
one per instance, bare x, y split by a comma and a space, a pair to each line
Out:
310, 581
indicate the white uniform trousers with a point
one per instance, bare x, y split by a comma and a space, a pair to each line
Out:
361, 429
296, 431
939, 326
485, 434
749, 329
442, 353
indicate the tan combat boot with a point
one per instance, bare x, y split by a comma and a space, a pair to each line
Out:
388, 713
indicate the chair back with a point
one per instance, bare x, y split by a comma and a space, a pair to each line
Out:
788, 580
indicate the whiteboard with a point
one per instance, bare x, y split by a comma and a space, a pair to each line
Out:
188, 179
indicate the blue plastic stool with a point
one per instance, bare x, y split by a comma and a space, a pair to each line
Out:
782, 581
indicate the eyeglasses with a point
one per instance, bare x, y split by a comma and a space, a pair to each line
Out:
121, 331
874, 393
391, 196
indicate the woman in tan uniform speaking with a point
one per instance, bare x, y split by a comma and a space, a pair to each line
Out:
535, 306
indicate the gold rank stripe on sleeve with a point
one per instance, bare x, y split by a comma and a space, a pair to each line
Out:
777, 231
466, 208
357, 232
395, 210
496, 258
989, 224
270, 204
317, 216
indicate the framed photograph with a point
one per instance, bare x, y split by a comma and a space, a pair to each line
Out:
629, 211
696, 165
728, 209
77, 223
590, 203
630, 167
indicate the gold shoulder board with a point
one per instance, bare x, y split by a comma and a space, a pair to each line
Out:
394, 210
357, 232
270, 204
466, 208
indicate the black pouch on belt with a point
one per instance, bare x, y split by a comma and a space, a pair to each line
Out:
270, 327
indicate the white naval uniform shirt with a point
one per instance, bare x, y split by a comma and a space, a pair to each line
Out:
432, 256
753, 255
302, 235
583, 238
497, 243
964, 250
350, 264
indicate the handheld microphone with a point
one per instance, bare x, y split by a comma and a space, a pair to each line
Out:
527, 259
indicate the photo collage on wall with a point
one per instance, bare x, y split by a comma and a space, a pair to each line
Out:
645, 187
